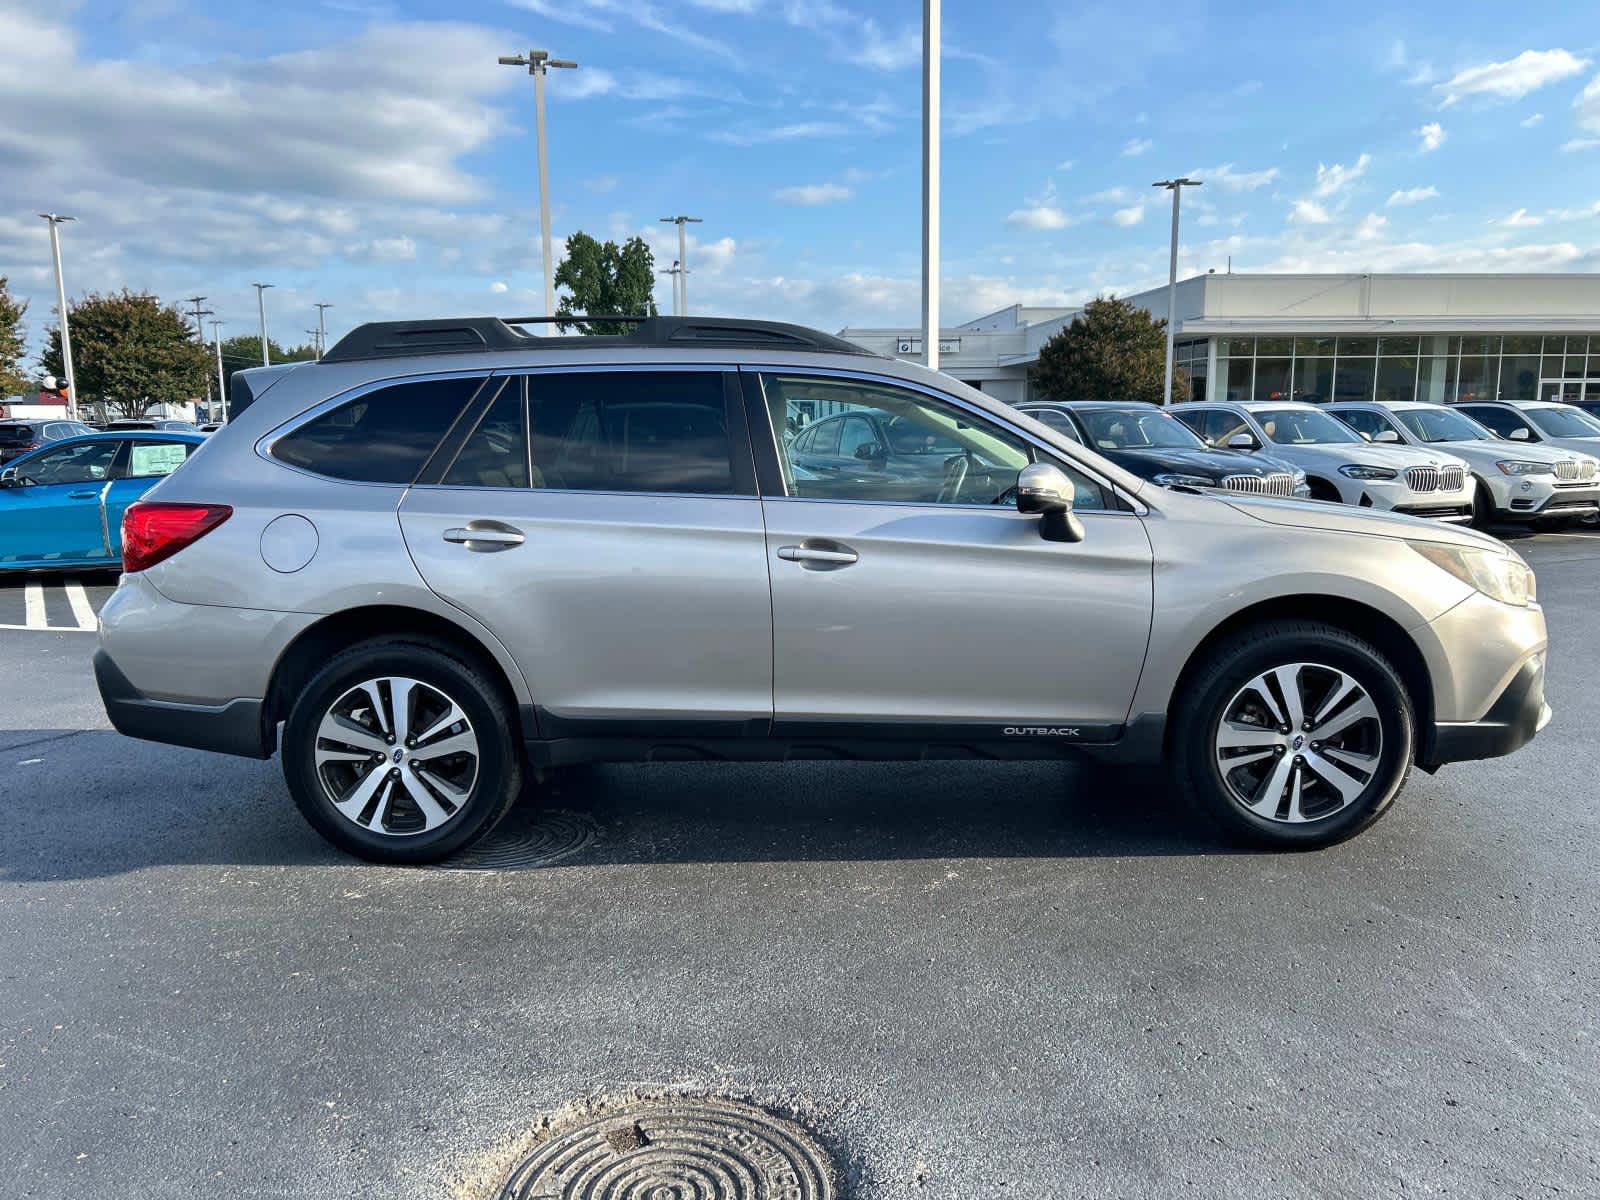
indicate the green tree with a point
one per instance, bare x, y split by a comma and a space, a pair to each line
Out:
606, 280
130, 352
1113, 350
13, 339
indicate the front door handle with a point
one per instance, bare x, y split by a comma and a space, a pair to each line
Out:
94, 495
486, 535
830, 556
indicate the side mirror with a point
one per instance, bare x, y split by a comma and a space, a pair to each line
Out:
1365, 436
1386, 435
1243, 441
871, 452
8, 478
1044, 490
1520, 434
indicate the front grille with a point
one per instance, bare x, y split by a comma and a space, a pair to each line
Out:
1452, 479
1569, 469
1423, 479
1276, 484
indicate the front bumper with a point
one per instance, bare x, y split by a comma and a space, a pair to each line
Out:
1396, 496
1541, 496
232, 728
1513, 719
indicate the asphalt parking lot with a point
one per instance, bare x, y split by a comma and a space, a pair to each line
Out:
967, 980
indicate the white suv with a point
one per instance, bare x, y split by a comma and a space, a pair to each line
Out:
1517, 481
1340, 464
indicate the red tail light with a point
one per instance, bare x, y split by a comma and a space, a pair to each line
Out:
152, 530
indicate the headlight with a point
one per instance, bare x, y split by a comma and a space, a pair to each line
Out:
1513, 467
1356, 471
1192, 481
1500, 575
1299, 477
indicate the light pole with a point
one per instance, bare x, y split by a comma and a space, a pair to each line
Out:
680, 299
930, 183
537, 62
222, 380
1175, 186
674, 270
322, 329
200, 333
261, 307
55, 220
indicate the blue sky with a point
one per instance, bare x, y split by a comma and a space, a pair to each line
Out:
373, 154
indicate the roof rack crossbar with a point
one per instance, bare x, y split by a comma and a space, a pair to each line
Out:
463, 335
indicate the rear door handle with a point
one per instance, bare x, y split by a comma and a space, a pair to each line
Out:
818, 556
486, 535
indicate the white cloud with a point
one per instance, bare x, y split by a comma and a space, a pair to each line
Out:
1575, 214
570, 14
1109, 194
1129, 216
1414, 195
1588, 106
1371, 227
1066, 164
1518, 219
1136, 147
1584, 143
1514, 78
498, 287
1231, 180
601, 184
813, 194
756, 135
1334, 179
1530, 122
1432, 135
1037, 217
1308, 212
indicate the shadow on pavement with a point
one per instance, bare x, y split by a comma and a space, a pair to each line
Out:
92, 803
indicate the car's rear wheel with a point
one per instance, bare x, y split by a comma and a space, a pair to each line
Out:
1294, 734
398, 751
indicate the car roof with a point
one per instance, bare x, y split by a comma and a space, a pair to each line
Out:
165, 435
1392, 405
1092, 405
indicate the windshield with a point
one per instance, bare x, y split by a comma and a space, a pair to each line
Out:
1563, 422
1304, 427
1137, 429
1443, 425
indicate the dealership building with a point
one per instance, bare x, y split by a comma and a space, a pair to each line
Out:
1323, 337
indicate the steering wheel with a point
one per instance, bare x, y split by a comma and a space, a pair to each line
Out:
956, 470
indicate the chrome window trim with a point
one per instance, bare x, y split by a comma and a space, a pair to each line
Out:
1138, 506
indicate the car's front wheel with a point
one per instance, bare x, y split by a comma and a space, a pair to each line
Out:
1294, 734
399, 751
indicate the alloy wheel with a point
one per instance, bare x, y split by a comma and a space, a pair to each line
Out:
396, 756
1299, 743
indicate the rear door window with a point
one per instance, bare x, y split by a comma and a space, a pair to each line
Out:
381, 436
496, 452
153, 459
630, 431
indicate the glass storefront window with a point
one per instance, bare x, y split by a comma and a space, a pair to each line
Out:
1272, 379
1594, 367
1309, 347
1574, 367
1397, 378
1313, 379
1477, 344
1554, 343
1527, 344
1476, 376
1439, 343
1233, 347
1274, 347
1519, 376
1436, 380
1398, 345
1357, 346
1354, 378
1239, 378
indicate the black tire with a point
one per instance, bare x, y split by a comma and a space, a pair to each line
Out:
1245, 656
1322, 490
496, 782
1556, 524
1482, 507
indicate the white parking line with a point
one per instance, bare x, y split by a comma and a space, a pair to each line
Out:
34, 605
82, 610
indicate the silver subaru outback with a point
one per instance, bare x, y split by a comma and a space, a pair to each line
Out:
451, 552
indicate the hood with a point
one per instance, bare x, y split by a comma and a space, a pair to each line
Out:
1213, 464
1505, 450
1589, 446
1347, 518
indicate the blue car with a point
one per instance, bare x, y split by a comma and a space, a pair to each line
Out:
62, 505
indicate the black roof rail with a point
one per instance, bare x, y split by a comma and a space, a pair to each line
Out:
463, 335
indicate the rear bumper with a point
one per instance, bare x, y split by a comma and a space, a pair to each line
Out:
1516, 716
231, 728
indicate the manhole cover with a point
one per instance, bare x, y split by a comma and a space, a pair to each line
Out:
527, 839
677, 1149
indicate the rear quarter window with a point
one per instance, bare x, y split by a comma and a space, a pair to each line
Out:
381, 436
